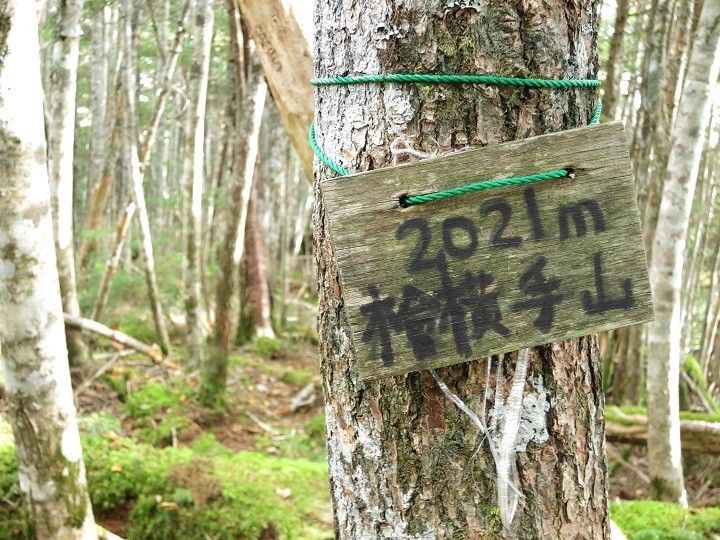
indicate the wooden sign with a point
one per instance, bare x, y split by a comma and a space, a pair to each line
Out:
493, 271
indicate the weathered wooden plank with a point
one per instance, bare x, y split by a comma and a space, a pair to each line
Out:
287, 64
493, 271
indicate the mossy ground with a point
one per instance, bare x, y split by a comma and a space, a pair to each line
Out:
201, 491
652, 520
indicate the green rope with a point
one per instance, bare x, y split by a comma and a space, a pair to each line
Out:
481, 186
323, 156
457, 79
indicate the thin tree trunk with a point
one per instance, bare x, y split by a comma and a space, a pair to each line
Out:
615, 63
193, 180
258, 291
653, 125
665, 334
61, 138
400, 456
112, 262
132, 166
34, 357
227, 309
712, 315
99, 81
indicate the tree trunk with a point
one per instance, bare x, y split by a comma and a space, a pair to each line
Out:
247, 121
61, 138
401, 457
132, 166
665, 334
99, 81
258, 290
193, 179
615, 63
34, 357
112, 262
653, 124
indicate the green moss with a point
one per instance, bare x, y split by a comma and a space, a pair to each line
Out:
176, 495
162, 433
151, 399
646, 520
298, 377
315, 429
267, 347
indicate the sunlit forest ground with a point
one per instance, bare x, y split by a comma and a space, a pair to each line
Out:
161, 467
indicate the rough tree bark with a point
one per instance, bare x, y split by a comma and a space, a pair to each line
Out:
401, 457
60, 97
193, 179
34, 356
664, 355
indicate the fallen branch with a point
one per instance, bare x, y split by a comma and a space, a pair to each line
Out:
696, 435
95, 327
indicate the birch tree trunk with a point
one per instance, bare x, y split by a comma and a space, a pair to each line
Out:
665, 333
193, 179
99, 70
61, 138
401, 457
34, 357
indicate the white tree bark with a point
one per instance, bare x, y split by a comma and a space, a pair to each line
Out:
193, 179
34, 357
61, 139
99, 70
664, 355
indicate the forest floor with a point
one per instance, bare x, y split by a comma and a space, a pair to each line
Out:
160, 466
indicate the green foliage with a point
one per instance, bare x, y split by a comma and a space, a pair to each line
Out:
692, 369
12, 512
616, 415
653, 520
